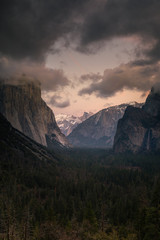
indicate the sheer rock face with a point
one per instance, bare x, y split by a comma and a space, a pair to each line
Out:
99, 129
152, 105
24, 108
16, 144
139, 129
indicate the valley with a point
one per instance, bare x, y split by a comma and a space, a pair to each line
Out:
79, 120
82, 193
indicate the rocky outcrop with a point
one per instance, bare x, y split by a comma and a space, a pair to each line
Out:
18, 146
22, 105
152, 104
99, 130
69, 122
139, 129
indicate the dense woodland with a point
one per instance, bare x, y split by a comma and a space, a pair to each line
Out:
82, 195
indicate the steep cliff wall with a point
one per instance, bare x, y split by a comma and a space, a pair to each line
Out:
139, 129
22, 105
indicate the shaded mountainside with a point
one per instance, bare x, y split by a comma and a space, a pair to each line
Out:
15, 144
24, 108
99, 130
69, 122
152, 104
139, 129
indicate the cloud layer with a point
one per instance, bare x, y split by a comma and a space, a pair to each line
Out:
57, 101
51, 80
126, 76
29, 30
122, 19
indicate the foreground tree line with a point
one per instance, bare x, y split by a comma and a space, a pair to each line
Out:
86, 195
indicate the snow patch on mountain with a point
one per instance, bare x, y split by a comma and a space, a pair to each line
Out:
68, 122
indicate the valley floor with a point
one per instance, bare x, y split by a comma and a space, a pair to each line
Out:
83, 195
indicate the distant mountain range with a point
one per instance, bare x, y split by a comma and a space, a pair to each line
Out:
23, 107
99, 129
139, 129
69, 122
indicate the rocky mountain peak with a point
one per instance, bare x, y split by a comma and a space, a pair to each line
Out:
69, 122
152, 104
85, 116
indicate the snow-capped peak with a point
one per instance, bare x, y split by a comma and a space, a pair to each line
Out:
68, 122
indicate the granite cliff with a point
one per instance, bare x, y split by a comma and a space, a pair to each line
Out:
14, 143
23, 107
139, 129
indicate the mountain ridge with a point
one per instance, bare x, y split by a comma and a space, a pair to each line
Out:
99, 129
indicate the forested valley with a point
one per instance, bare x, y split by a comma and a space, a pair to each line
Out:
82, 195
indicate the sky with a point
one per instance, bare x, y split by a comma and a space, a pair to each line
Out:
87, 54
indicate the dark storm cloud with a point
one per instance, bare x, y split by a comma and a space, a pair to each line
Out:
56, 101
125, 18
126, 76
90, 76
50, 79
28, 28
